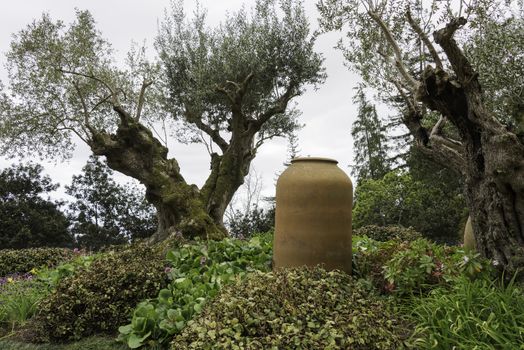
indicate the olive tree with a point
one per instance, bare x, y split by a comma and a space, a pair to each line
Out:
430, 60
231, 84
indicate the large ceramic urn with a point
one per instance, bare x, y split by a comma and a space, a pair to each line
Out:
469, 237
314, 198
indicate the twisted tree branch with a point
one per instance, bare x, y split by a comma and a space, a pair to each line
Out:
425, 39
396, 50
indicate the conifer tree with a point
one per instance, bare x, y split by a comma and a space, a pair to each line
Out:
369, 140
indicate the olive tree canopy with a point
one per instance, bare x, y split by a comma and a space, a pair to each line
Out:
231, 84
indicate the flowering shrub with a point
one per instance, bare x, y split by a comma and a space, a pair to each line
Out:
15, 277
369, 257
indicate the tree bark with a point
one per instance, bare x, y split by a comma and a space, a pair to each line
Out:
490, 157
227, 174
495, 193
134, 151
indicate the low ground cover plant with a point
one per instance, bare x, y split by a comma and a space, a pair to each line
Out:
52, 276
221, 294
197, 272
301, 308
91, 343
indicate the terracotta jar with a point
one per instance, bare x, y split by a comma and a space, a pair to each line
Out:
469, 237
314, 199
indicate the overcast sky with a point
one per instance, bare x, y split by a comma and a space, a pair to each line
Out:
327, 113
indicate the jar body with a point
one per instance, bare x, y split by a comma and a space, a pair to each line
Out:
314, 199
469, 237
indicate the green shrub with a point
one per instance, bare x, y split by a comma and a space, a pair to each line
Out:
415, 267
24, 260
198, 271
303, 308
475, 314
101, 297
52, 276
386, 233
433, 207
370, 257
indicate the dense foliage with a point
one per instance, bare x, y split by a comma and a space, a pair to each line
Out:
21, 293
24, 260
294, 309
387, 233
99, 298
229, 86
104, 212
245, 224
243, 70
453, 71
398, 199
405, 268
220, 294
28, 219
198, 271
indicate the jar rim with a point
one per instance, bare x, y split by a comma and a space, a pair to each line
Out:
314, 159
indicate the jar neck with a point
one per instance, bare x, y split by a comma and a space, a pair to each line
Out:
314, 160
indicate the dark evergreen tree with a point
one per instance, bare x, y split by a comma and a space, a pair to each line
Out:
369, 140
105, 212
26, 218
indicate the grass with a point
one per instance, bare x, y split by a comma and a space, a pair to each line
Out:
19, 301
472, 315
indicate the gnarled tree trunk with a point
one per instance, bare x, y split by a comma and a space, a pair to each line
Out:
227, 175
134, 151
495, 194
490, 157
